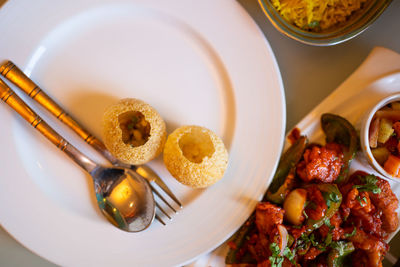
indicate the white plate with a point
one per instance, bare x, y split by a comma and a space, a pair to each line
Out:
197, 62
352, 101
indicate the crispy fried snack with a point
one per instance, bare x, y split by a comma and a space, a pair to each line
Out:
195, 156
133, 131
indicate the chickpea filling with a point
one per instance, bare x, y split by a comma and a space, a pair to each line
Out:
196, 146
135, 128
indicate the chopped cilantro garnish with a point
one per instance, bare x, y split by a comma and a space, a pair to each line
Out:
339, 246
290, 255
305, 214
313, 241
351, 234
334, 197
369, 184
276, 259
330, 197
327, 222
306, 240
275, 250
311, 238
362, 201
301, 245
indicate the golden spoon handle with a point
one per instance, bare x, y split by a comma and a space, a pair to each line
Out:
16, 103
10, 71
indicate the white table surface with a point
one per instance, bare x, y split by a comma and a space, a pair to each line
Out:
309, 75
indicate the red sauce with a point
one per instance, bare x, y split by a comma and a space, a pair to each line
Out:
294, 135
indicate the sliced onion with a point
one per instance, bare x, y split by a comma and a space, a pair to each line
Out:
374, 132
284, 237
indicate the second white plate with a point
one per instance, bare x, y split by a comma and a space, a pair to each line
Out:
350, 100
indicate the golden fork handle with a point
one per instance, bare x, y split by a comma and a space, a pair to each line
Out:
9, 97
16, 103
10, 71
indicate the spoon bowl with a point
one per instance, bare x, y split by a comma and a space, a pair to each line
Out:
124, 197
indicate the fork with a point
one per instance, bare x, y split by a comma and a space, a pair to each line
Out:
15, 75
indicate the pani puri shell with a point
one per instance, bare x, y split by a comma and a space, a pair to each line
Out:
195, 156
114, 134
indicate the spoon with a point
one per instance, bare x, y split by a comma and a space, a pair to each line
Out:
124, 197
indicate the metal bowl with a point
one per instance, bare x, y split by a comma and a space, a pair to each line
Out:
355, 24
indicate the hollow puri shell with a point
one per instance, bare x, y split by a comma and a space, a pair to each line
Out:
115, 136
195, 156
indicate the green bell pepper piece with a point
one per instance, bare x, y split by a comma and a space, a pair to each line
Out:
337, 255
279, 187
238, 240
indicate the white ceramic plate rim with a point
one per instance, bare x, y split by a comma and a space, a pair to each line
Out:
49, 237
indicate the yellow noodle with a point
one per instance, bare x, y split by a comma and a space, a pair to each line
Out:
316, 14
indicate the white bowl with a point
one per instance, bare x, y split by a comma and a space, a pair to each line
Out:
364, 135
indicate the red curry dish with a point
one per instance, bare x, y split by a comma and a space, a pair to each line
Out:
311, 219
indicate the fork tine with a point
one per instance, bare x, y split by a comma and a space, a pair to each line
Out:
157, 193
163, 211
162, 198
151, 175
160, 220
